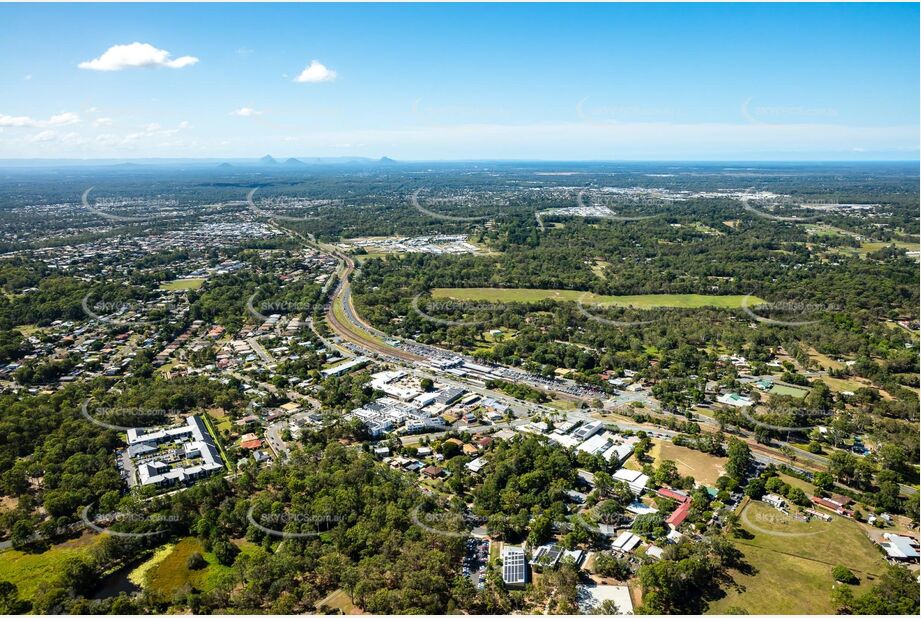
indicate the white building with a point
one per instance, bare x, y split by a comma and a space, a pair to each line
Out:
636, 480
774, 500
735, 400
626, 542
901, 548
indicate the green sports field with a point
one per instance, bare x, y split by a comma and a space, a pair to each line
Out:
639, 301
790, 390
182, 284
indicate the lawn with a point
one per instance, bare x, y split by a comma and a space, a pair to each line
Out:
806, 486
223, 421
32, 572
781, 584
840, 541
824, 360
793, 573
563, 404
870, 247
640, 301
839, 384
182, 284
170, 573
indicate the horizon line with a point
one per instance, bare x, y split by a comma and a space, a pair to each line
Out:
371, 158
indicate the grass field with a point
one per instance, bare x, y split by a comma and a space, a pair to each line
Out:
841, 541
824, 360
806, 486
839, 384
870, 247
706, 229
639, 301
598, 268
220, 416
781, 584
182, 284
789, 390
703, 467
170, 573
563, 404
793, 573
32, 572
823, 229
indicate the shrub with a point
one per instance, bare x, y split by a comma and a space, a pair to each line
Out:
844, 575
196, 561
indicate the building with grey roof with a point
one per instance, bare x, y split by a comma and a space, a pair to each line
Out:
193, 445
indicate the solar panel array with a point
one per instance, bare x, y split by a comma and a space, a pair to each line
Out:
514, 566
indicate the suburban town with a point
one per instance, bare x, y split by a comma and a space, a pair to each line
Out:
330, 318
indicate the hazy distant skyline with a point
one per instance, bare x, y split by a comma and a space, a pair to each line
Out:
438, 82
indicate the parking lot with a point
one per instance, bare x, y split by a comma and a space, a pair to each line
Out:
475, 561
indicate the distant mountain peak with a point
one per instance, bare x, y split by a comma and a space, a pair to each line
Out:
387, 160
293, 161
268, 159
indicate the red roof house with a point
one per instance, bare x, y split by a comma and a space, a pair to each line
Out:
665, 492
679, 515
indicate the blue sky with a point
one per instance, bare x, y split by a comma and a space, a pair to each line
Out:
541, 81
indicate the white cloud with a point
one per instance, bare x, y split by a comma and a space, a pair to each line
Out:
102, 122
246, 112
316, 72
185, 124
136, 55
57, 120
44, 136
